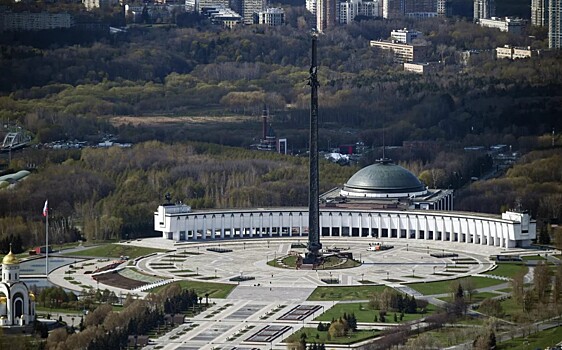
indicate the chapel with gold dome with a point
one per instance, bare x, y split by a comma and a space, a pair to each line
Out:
17, 303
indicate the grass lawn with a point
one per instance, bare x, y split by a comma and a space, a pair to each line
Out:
215, 290
115, 251
508, 269
533, 257
312, 333
48, 310
364, 314
476, 298
344, 293
539, 340
442, 287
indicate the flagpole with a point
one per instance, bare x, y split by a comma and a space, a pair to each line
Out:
47, 244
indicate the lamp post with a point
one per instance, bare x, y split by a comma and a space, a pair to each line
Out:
197, 270
434, 269
413, 273
215, 273
406, 246
362, 277
387, 276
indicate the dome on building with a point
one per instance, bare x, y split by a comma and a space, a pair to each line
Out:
383, 179
10, 259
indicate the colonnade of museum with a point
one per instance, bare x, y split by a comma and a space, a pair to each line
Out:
407, 225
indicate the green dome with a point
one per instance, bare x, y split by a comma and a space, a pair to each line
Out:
384, 177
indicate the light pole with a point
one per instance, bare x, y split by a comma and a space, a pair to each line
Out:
406, 246
387, 276
434, 269
197, 270
215, 273
413, 273
362, 277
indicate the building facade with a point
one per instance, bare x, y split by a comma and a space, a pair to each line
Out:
272, 17
250, 9
554, 24
510, 230
507, 24
405, 36
393, 8
512, 52
484, 9
538, 12
325, 14
30, 21
17, 303
444, 8
349, 9
402, 52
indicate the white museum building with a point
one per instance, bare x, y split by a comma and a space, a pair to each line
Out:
382, 200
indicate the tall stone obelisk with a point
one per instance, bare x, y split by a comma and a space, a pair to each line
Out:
314, 245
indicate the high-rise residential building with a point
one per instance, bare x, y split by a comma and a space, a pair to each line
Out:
420, 6
444, 8
554, 25
250, 10
538, 12
325, 14
393, 8
349, 9
484, 9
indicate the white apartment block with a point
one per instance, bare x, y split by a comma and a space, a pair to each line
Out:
405, 36
22, 21
272, 17
511, 25
554, 24
349, 9
484, 9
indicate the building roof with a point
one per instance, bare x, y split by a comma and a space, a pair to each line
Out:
10, 259
384, 177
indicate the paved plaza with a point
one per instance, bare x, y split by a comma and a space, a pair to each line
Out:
260, 313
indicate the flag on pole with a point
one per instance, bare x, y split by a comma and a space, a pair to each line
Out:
45, 209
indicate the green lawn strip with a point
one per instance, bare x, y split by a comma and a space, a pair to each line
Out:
115, 251
215, 290
476, 298
533, 257
441, 287
312, 333
344, 293
364, 314
540, 340
507, 270
48, 310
